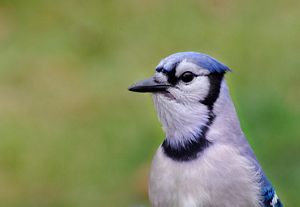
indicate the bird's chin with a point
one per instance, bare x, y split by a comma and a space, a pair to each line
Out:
167, 94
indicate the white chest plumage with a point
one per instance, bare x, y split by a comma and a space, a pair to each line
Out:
220, 177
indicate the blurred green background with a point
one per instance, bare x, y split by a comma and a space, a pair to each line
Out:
70, 132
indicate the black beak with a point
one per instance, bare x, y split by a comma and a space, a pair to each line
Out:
148, 85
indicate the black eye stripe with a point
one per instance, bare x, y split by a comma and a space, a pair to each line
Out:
173, 79
171, 74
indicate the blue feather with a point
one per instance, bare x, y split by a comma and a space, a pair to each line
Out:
270, 198
204, 61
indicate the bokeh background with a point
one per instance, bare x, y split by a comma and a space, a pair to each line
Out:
71, 135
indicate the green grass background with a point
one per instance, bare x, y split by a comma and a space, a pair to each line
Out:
70, 132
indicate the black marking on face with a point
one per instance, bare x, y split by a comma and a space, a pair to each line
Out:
190, 150
215, 80
193, 147
172, 79
170, 73
159, 69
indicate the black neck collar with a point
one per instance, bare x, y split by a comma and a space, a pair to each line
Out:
193, 147
189, 150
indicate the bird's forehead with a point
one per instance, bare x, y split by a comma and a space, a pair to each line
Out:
203, 61
186, 65
167, 65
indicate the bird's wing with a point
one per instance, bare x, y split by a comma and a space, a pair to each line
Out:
268, 194
270, 199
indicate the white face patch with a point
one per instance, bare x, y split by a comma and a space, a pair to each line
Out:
192, 92
185, 66
180, 121
183, 115
180, 110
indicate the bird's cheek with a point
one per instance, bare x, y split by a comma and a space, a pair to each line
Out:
175, 93
162, 97
200, 89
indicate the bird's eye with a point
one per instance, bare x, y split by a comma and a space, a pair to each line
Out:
187, 77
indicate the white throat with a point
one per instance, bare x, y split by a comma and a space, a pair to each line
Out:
180, 122
183, 122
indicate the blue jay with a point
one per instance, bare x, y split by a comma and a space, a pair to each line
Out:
205, 159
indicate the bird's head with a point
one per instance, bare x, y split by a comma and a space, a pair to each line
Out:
185, 87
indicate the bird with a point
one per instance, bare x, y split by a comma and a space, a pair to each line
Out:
205, 159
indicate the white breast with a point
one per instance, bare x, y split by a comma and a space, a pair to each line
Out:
220, 177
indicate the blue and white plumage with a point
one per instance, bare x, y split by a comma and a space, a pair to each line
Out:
205, 159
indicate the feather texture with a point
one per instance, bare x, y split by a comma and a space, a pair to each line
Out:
205, 159
270, 198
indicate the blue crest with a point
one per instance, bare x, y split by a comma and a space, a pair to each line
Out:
204, 61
